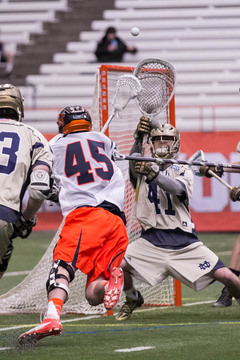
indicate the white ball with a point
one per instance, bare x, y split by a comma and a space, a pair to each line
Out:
135, 31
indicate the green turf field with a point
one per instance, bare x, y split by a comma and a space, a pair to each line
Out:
192, 331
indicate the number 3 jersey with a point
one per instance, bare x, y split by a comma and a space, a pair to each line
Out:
21, 149
159, 209
84, 172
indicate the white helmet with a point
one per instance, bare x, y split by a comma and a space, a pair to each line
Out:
11, 102
165, 132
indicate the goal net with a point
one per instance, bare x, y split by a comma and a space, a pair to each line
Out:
30, 295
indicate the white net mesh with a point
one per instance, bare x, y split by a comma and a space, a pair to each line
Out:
30, 295
158, 79
128, 87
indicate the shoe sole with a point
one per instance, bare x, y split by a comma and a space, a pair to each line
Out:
221, 305
34, 337
112, 296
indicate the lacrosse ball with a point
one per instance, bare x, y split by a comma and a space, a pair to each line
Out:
135, 31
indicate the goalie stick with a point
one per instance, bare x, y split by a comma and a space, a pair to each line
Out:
128, 87
226, 167
158, 80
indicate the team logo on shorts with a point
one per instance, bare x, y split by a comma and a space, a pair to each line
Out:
205, 265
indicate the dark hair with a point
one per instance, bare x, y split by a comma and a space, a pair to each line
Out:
110, 30
8, 113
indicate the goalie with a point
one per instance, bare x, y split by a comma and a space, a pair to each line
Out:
168, 244
26, 163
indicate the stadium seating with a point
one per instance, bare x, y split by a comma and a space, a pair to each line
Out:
199, 37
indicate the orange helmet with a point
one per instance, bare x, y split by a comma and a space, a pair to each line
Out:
73, 119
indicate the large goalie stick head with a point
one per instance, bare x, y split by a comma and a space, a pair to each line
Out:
128, 87
158, 80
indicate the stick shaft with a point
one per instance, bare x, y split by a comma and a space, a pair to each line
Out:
108, 122
220, 179
139, 178
228, 167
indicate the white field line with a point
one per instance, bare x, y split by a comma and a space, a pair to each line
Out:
98, 316
17, 273
222, 253
62, 321
6, 348
140, 348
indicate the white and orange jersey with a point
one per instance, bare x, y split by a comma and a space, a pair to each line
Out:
84, 171
21, 149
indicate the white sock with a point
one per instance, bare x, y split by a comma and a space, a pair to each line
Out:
51, 311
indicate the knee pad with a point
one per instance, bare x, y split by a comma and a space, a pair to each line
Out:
53, 275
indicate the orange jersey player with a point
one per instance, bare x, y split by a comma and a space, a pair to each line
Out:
94, 237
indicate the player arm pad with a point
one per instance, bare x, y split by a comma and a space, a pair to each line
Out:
39, 181
170, 185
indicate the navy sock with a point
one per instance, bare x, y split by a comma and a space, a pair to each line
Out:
236, 272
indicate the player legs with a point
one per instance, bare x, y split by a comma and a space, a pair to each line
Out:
134, 298
229, 279
6, 246
58, 290
225, 299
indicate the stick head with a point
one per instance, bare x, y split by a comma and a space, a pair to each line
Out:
158, 79
128, 87
197, 156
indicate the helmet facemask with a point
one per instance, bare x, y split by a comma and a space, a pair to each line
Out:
165, 142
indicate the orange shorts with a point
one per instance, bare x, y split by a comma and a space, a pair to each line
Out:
93, 240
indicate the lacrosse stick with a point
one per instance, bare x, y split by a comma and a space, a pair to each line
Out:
197, 156
226, 167
200, 156
158, 80
128, 87
220, 179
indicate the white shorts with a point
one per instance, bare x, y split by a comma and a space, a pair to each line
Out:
153, 264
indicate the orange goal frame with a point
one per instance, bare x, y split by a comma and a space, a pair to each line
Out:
104, 115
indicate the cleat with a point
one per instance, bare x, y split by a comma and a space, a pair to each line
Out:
115, 287
129, 306
224, 300
48, 327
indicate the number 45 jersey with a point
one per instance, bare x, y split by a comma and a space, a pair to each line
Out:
21, 149
84, 171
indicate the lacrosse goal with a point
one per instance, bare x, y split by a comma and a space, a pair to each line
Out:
30, 295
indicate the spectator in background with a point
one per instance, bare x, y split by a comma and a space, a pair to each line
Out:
111, 48
7, 55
